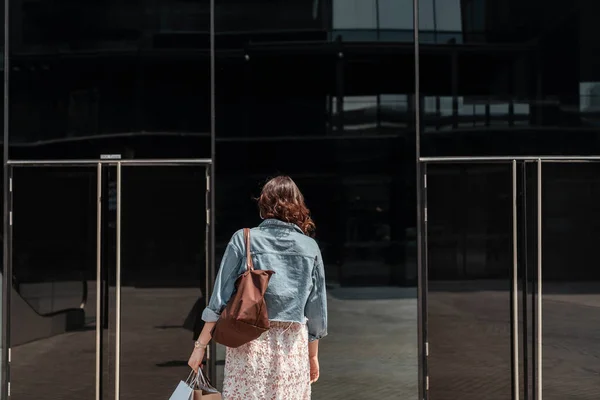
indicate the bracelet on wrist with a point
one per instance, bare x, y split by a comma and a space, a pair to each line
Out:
199, 345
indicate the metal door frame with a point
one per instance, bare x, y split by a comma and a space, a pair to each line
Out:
100, 164
422, 262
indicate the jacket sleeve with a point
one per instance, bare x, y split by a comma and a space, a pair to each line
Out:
316, 306
224, 284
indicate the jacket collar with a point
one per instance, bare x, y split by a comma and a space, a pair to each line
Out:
272, 222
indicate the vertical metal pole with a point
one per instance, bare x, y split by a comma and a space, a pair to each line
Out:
7, 180
534, 326
539, 283
106, 251
7, 275
118, 289
524, 255
421, 177
213, 148
422, 265
514, 299
99, 281
211, 350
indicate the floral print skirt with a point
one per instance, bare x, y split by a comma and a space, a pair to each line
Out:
273, 367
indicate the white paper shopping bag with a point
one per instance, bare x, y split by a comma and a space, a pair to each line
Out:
183, 391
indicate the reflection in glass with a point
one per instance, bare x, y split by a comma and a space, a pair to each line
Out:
441, 21
284, 107
381, 113
367, 248
525, 102
442, 113
589, 103
300, 18
570, 286
53, 305
371, 297
93, 78
469, 259
372, 20
163, 220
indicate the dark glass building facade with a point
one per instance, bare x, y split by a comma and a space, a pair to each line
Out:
446, 149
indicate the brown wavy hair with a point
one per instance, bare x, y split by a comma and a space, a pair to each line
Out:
281, 199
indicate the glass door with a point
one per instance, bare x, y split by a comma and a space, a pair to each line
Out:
162, 216
111, 263
570, 289
54, 235
470, 245
513, 315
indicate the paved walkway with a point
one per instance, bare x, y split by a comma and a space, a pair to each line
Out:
469, 326
371, 350
369, 354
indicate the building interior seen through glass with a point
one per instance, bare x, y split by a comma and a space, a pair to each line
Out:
446, 280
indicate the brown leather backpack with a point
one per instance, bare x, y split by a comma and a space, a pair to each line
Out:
245, 317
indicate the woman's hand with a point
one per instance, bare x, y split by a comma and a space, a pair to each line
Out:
202, 342
196, 358
314, 369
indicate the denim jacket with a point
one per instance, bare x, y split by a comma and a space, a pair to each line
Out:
296, 292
